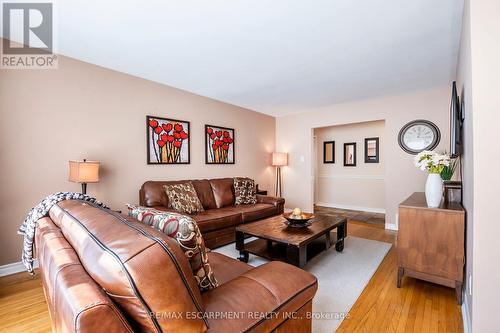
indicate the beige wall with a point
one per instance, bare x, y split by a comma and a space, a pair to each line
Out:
485, 69
294, 135
83, 111
360, 187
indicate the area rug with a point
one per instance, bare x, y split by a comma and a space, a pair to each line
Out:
341, 277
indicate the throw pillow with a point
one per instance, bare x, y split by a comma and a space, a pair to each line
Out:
186, 232
244, 191
183, 198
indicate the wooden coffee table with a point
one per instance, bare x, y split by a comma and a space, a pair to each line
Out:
277, 241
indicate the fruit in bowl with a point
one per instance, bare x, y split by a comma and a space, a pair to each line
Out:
297, 218
297, 213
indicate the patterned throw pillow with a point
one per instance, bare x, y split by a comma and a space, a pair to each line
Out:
183, 198
185, 231
244, 191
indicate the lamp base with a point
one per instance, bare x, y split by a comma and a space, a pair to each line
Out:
278, 182
84, 188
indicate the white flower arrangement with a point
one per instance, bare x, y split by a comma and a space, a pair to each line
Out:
432, 162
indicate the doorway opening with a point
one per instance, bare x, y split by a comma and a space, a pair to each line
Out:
348, 171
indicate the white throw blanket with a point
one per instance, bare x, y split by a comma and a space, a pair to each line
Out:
28, 227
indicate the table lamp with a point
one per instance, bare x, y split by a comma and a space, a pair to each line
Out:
279, 160
84, 172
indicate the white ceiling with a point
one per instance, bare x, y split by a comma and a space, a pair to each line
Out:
276, 57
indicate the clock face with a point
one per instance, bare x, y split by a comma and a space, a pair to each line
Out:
419, 135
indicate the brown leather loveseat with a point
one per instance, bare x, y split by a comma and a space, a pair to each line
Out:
220, 218
106, 272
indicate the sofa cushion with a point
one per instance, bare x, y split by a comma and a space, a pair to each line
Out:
225, 268
153, 194
185, 231
244, 191
142, 270
273, 288
223, 191
183, 198
205, 194
220, 218
256, 212
164, 209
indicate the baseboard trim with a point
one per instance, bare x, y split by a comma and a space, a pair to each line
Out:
466, 317
339, 206
391, 226
15, 267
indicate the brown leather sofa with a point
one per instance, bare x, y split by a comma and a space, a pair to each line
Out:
106, 272
220, 218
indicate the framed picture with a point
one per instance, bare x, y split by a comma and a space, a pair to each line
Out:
371, 150
329, 152
350, 154
167, 141
219, 145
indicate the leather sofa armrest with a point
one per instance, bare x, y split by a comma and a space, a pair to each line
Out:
266, 199
279, 203
82, 306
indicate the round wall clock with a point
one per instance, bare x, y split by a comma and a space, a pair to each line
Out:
419, 135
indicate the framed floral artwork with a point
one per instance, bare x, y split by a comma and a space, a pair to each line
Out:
167, 141
219, 145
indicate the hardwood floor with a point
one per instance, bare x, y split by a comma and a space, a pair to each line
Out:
417, 307
374, 219
22, 304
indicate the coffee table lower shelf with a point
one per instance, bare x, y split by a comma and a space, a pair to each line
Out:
282, 252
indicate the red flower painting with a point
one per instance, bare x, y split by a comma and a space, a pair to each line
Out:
168, 141
219, 145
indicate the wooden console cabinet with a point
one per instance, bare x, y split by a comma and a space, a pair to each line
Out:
430, 243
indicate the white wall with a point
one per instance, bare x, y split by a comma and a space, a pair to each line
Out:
485, 69
464, 86
294, 135
360, 187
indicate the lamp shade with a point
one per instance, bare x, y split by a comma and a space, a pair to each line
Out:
83, 171
280, 159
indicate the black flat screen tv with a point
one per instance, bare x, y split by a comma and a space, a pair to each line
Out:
456, 124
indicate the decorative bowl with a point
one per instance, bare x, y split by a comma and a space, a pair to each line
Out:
298, 221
